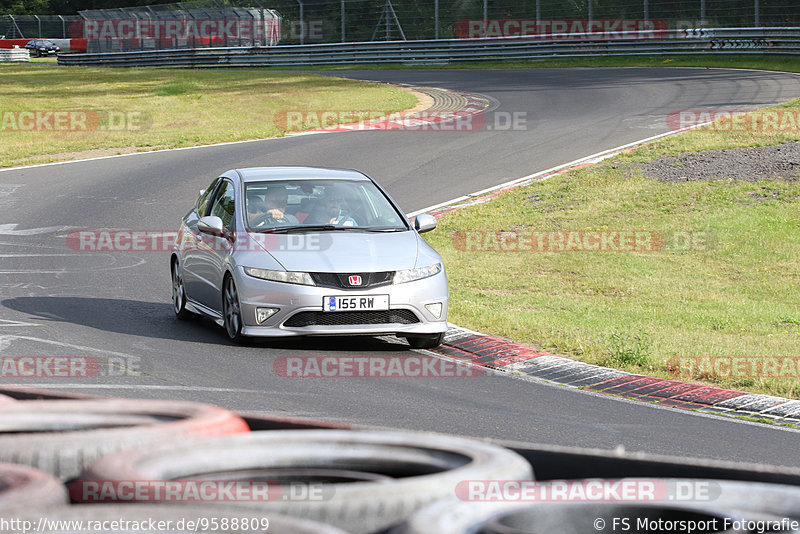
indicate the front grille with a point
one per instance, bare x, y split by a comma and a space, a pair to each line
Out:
316, 318
342, 280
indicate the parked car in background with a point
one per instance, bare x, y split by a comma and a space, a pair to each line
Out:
42, 48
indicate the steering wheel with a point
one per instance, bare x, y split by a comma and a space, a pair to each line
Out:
266, 218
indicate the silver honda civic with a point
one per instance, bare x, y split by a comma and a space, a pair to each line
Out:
288, 251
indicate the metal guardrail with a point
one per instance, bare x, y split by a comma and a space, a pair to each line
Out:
15, 54
773, 41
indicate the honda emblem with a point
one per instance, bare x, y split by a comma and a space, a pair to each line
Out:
355, 280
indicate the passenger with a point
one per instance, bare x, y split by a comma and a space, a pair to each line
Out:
332, 209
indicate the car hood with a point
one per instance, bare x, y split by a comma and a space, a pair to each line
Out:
350, 251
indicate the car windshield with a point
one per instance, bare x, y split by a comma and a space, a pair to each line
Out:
320, 205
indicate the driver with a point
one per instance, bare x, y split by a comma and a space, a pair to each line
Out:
274, 208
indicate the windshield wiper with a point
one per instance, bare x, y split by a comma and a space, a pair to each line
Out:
327, 228
385, 229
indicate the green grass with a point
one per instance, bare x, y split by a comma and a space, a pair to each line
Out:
145, 109
730, 290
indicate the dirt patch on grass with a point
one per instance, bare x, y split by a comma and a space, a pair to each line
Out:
748, 164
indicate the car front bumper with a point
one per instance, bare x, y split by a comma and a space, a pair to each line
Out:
291, 299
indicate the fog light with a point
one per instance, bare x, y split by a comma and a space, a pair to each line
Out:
262, 314
435, 309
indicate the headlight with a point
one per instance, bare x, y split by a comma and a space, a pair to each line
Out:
288, 277
409, 275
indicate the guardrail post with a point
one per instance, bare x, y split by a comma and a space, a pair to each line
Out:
703, 13
646, 9
343, 23
39, 21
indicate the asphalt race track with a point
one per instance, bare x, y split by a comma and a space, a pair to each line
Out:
61, 302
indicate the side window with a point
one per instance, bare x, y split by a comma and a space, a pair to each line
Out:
202, 202
224, 205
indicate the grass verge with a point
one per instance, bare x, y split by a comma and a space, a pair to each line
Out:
724, 285
137, 109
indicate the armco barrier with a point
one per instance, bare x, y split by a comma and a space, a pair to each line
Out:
774, 41
14, 54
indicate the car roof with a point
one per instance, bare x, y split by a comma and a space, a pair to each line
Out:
260, 174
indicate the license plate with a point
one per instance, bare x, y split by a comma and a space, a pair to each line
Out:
355, 303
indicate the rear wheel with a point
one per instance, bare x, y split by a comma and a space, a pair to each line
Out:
232, 311
427, 341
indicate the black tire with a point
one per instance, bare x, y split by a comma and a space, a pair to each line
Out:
63, 437
232, 311
179, 294
749, 500
22, 487
144, 513
427, 341
391, 474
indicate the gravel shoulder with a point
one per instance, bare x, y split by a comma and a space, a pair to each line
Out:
746, 164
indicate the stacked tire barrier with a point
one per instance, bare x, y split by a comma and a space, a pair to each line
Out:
773, 41
117, 463
63, 437
14, 54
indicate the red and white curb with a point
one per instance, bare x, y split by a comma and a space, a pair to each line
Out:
473, 105
503, 355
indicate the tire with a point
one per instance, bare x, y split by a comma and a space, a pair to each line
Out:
63, 437
112, 514
389, 474
232, 311
22, 486
749, 500
427, 341
179, 294
453, 516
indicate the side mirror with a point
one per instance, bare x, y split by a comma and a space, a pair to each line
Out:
425, 223
210, 224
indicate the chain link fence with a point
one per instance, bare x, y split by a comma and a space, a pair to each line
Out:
36, 26
328, 21
212, 23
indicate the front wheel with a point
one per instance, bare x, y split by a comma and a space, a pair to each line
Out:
427, 341
231, 311
179, 294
